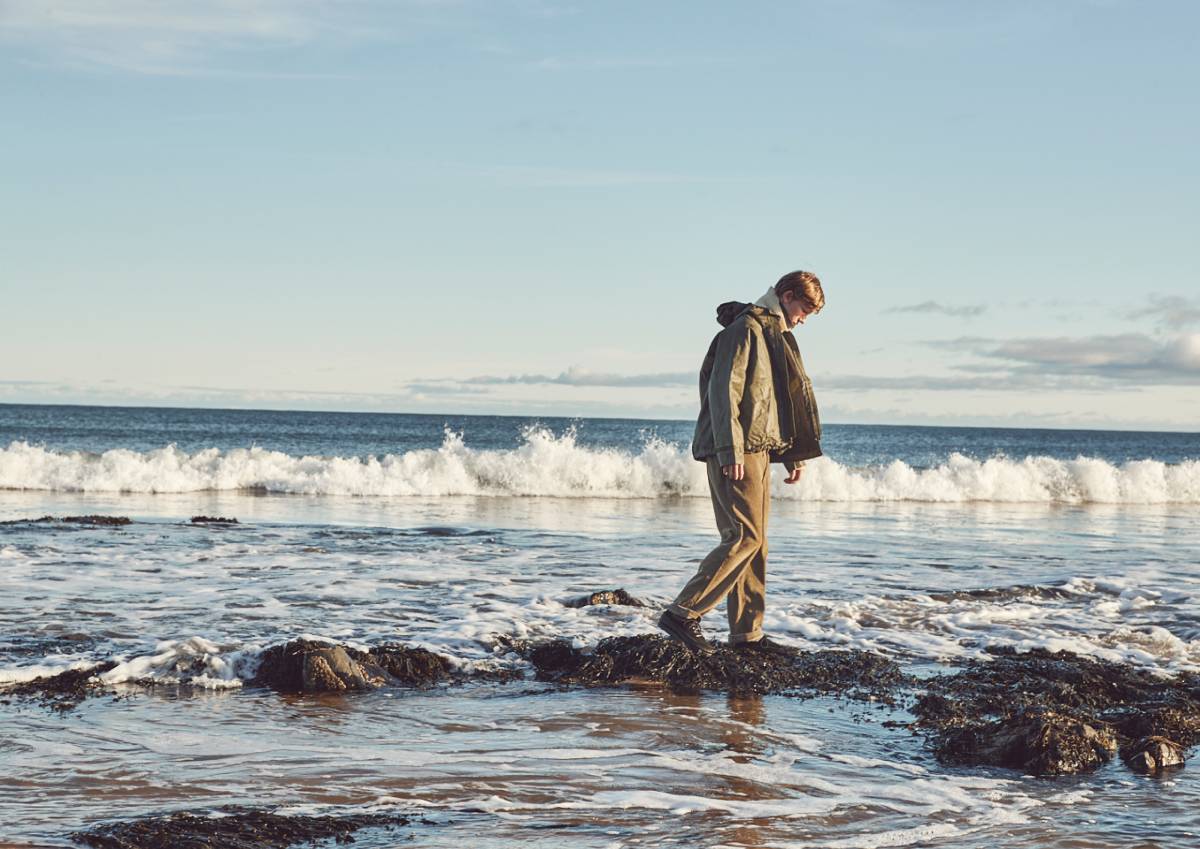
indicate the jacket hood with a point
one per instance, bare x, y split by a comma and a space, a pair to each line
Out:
730, 310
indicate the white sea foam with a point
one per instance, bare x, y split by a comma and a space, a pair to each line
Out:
194, 661
557, 466
22, 674
1104, 619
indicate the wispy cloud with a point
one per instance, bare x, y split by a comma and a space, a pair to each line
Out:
575, 376
183, 37
957, 311
1023, 381
164, 37
601, 63
537, 176
1171, 311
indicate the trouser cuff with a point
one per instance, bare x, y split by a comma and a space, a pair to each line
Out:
752, 637
683, 612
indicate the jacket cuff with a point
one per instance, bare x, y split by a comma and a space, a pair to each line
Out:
730, 457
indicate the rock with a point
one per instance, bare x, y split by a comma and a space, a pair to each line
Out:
307, 666
1035, 741
1152, 754
232, 827
618, 596
213, 520
61, 692
332, 670
1037, 678
654, 658
413, 667
1097, 703
1180, 724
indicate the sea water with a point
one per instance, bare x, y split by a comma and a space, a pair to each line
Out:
929, 545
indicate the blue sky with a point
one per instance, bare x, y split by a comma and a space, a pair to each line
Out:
534, 207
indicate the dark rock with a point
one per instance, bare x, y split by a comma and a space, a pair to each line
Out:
212, 520
653, 658
233, 827
61, 692
412, 667
1152, 754
332, 670
618, 596
1018, 591
1052, 712
1035, 741
1038, 677
306, 666
1180, 724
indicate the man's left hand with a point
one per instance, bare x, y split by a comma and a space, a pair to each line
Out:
794, 477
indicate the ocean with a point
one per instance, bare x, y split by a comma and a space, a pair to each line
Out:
930, 546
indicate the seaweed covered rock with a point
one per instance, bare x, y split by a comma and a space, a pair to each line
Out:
61, 692
412, 667
213, 520
1035, 741
232, 827
653, 658
1152, 754
1051, 713
1180, 724
308, 666
617, 596
1014, 680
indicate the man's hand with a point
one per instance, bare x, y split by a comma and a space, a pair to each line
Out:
734, 471
794, 477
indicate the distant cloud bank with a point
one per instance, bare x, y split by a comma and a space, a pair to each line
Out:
1128, 357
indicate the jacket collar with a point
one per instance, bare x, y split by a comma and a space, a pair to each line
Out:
770, 302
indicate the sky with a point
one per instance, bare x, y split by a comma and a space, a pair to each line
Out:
533, 207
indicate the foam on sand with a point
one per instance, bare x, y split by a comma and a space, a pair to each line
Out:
557, 466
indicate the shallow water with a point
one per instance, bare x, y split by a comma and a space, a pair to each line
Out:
492, 765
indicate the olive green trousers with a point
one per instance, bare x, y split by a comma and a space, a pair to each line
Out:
736, 570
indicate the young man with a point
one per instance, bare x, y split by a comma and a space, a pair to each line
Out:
756, 407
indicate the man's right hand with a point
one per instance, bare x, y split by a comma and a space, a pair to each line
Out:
734, 471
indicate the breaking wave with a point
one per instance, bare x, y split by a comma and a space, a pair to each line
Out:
545, 464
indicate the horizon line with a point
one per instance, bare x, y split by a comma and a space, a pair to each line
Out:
571, 417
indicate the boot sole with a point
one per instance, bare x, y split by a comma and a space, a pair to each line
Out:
667, 625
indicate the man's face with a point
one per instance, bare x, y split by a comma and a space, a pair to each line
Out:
794, 308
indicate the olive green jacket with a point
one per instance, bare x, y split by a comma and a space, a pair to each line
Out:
754, 392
